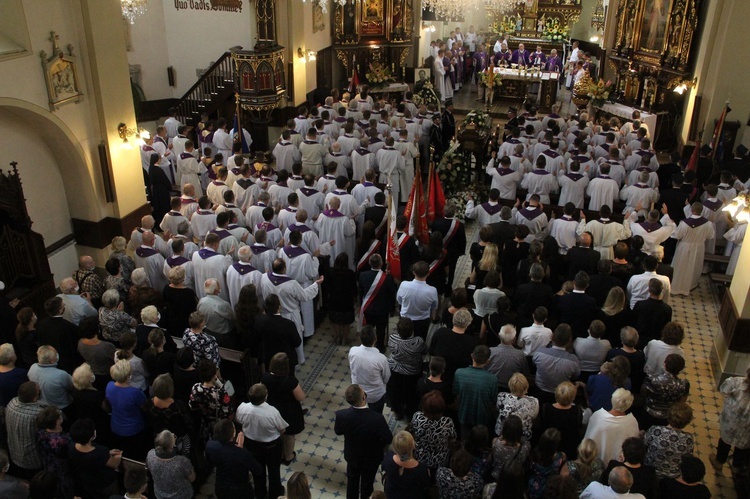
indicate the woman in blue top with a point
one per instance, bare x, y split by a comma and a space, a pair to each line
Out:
127, 406
600, 387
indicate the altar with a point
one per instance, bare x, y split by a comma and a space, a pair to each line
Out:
516, 85
390, 88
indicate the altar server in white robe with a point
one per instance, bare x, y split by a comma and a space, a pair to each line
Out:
150, 260
173, 217
364, 192
273, 233
303, 268
188, 201
635, 159
588, 165
563, 229
263, 255
291, 295
310, 198
539, 182
347, 140
254, 214
410, 151
222, 140
712, 210
280, 191
362, 160
165, 153
240, 274
215, 190
333, 225
602, 190
531, 214
519, 162
554, 160
228, 244
504, 179
391, 163
285, 152
639, 197
310, 241
208, 263
180, 259
347, 203
313, 153
652, 230
485, 213
190, 169
183, 231
327, 182
573, 185
288, 215
343, 163
439, 70
616, 168
606, 232
203, 220
735, 235
692, 234
136, 237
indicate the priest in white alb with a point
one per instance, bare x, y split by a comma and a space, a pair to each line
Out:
332, 225
605, 232
150, 260
692, 234
208, 263
303, 268
241, 274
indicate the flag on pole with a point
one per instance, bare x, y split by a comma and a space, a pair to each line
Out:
355, 79
415, 212
239, 133
717, 144
693, 162
392, 256
435, 195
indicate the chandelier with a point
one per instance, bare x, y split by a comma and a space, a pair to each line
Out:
132, 9
450, 9
500, 7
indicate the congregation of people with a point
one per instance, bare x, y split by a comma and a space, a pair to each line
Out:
553, 371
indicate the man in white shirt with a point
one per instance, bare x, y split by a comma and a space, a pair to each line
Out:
280, 191
150, 260
310, 198
486, 213
391, 163
362, 159
343, 163
263, 256
262, 429
136, 237
370, 369
602, 190
77, 307
188, 202
609, 429
418, 300
536, 336
620, 482
172, 218
638, 284
172, 124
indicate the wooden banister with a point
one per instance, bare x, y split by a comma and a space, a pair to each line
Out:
209, 91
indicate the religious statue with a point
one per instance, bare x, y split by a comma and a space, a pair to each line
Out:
540, 24
519, 22
675, 38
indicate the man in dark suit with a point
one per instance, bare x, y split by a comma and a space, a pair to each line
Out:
454, 238
650, 315
504, 230
408, 252
376, 214
531, 295
577, 309
383, 300
705, 166
365, 435
59, 333
601, 284
667, 170
276, 333
583, 257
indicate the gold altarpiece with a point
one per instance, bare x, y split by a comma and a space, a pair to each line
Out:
652, 49
370, 31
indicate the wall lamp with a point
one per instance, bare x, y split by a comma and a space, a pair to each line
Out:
684, 85
124, 132
312, 55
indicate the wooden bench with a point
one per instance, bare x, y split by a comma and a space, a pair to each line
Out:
720, 278
225, 353
716, 258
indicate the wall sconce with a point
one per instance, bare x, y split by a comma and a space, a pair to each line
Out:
301, 55
428, 27
124, 132
684, 85
311, 55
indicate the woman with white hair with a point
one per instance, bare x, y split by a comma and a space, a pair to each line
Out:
179, 301
112, 318
126, 403
609, 429
11, 377
141, 294
127, 265
172, 474
87, 400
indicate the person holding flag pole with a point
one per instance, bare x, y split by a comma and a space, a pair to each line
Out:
237, 137
377, 287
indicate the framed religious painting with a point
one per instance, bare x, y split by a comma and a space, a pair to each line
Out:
653, 29
61, 76
373, 17
318, 19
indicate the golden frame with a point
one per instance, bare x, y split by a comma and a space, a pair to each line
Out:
61, 76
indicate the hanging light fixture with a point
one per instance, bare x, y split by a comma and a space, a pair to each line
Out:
500, 7
324, 4
132, 9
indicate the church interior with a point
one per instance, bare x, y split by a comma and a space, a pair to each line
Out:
84, 82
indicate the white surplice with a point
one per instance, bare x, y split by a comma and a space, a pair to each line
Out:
691, 249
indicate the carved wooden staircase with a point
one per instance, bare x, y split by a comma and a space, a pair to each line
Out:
209, 93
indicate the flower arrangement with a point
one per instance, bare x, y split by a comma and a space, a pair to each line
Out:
485, 77
553, 31
477, 192
379, 75
427, 95
600, 92
453, 169
478, 117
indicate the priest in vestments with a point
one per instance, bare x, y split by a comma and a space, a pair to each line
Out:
208, 263
241, 274
291, 295
692, 234
332, 225
303, 268
150, 260
520, 56
439, 70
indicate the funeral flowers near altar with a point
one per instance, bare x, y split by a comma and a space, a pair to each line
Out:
478, 117
427, 95
477, 192
600, 92
553, 31
379, 74
453, 170
486, 77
